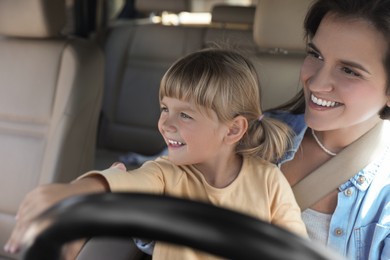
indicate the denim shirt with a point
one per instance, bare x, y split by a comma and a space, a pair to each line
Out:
360, 225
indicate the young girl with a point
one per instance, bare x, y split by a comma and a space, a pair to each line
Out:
220, 148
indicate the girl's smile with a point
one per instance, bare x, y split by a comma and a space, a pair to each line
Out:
192, 135
172, 143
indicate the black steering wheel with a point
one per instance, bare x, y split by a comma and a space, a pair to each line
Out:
198, 225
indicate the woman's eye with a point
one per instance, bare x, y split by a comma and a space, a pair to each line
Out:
350, 72
314, 54
163, 109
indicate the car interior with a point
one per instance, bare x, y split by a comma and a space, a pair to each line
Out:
79, 85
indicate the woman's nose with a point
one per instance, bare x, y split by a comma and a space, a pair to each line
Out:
317, 77
321, 80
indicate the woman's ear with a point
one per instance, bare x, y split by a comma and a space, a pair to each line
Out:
237, 128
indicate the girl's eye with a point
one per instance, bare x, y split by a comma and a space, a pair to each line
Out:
350, 72
163, 109
185, 116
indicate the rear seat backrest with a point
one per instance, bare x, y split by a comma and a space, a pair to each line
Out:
51, 88
279, 35
158, 6
232, 26
137, 56
233, 14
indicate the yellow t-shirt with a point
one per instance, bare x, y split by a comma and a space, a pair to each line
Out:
260, 190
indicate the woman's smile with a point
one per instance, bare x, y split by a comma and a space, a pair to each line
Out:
323, 102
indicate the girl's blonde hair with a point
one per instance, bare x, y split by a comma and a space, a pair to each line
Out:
226, 82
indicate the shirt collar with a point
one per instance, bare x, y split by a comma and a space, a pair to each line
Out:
297, 124
363, 179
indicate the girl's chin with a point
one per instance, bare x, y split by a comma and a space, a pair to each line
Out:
175, 160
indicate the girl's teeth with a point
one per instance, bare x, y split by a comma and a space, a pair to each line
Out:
175, 142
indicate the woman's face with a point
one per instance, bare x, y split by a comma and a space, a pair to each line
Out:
343, 75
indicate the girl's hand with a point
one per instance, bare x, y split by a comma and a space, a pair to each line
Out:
43, 197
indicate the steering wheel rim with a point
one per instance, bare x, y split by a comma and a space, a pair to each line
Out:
202, 226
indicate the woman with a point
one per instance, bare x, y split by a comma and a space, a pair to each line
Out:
346, 92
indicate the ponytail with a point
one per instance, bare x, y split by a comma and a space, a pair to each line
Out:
267, 138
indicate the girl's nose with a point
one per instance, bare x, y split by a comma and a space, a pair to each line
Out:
167, 123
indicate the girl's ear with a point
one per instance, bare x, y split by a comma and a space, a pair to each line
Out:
237, 129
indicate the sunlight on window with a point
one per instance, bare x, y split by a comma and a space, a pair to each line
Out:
185, 18
195, 18
169, 19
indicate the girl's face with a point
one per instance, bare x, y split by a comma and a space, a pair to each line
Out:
343, 75
192, 136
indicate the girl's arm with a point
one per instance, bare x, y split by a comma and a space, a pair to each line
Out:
285, 210
45, 196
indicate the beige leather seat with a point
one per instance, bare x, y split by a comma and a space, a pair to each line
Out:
279, 35
51, 88
137, 56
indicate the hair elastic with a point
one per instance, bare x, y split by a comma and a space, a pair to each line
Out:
260, 118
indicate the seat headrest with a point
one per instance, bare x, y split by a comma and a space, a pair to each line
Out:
233, 14
32, 18
279, 24
158, 6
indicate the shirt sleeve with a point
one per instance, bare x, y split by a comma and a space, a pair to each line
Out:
148, 178
386, 249
285, 211
146, 246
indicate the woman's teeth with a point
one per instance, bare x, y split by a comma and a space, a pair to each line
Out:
324, 103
